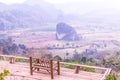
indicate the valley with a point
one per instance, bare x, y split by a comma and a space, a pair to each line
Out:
103, 42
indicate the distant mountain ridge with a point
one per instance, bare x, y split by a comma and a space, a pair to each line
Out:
35, 13
28, 14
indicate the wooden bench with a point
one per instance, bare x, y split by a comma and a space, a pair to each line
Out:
49, 65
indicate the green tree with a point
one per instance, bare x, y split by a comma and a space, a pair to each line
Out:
57, 57
49, 56
103, 61
84, 59
110, 77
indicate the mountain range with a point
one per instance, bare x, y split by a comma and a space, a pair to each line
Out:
28, 14
35, 13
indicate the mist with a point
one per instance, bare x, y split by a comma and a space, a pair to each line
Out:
74, 31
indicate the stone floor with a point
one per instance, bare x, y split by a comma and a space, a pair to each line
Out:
20, 71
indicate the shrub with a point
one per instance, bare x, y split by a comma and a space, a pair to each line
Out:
68, 66
87, 69
18, 60
3, 74
110, 77
57, 58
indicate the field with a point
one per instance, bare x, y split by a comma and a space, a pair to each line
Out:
35, 38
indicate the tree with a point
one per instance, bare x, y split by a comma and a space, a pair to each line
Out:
1, 50
76, 57
90, 59
84, 59
67, 44
2, 26
57, 57
67, 54
49, 56
14, 48
103, 61
22, 46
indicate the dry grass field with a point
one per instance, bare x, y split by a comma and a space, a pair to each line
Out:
43, 39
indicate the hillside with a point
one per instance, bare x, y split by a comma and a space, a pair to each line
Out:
28, 14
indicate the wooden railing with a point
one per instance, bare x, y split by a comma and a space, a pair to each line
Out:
13, 58
107, 71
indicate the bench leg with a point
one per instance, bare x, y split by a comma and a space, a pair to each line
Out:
31, 71
38, 63
51, 69
58, 71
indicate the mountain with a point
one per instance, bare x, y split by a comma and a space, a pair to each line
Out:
28, 14
66, 32
34, 13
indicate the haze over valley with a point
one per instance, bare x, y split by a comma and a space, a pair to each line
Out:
71, 31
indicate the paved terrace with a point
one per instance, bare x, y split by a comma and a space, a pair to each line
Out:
21, 71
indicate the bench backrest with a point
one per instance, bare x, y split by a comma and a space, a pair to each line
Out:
42, 62
47, 64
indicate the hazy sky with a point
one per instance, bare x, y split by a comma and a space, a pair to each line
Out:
64, 1
12, 1
51, 1
82, 5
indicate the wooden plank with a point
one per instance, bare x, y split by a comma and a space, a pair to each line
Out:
23, 73
14, 56
107, 72
94, 67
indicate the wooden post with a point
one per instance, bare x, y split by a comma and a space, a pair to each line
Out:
77, 69
51, 68
58, 70
31, 72
12, 60
38, 63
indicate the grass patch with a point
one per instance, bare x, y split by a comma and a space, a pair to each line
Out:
18, 60
87, 69
68, 66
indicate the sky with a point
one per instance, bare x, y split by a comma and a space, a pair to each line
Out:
83, 5
51, 1
101, 3
63, 1
12, 1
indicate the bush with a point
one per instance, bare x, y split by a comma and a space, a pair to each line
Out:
68, 66
110, 77
57, 58
18, 60
3, 74
87, 69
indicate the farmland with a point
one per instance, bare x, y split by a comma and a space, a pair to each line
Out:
91, 39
